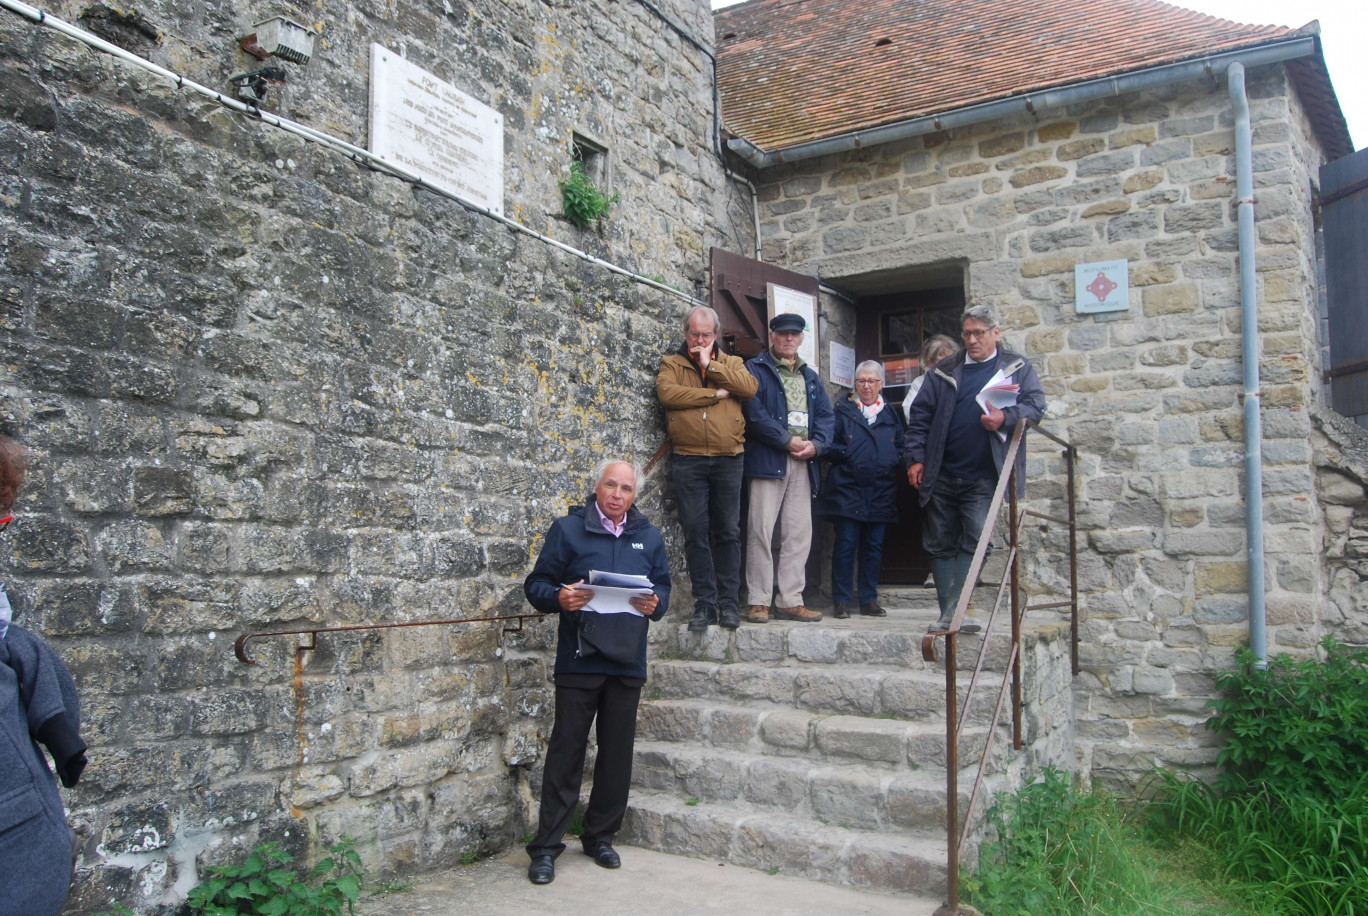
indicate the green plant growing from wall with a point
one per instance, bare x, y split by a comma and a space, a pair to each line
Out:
583, 202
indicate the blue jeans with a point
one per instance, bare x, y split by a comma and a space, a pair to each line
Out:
954, 517
868, 537
708, 497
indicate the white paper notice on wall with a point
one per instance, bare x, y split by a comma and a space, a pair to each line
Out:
1103, 286
781, 300
842, 365
436, 131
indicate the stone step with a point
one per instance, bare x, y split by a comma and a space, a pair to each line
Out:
844, 794
860, 690
868, 641
743, 834
785, 732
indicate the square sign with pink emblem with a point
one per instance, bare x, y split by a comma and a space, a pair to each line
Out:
1103, 286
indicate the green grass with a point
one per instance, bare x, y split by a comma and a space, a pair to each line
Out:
1063, 852
1300, 854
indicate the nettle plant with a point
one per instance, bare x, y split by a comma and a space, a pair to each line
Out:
584, 204
266, 884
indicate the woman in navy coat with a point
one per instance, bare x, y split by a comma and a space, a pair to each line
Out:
38, 704
860, 495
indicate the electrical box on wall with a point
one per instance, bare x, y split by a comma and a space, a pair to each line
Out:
280, 37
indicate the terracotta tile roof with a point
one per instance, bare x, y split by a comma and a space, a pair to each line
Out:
791, 71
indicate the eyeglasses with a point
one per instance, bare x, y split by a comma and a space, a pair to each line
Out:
700, 335
970, 334
868, 381
5, 523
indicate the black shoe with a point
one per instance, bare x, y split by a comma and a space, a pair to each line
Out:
702, 616
842, 611
872, 609
730, 618
604, 854
542, 870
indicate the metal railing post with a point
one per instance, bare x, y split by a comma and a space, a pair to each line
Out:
1015, 647
1070, 455
951, 777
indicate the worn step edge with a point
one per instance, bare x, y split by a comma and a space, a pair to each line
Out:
766, 839
787, 732
822, 644
861, 690
846, 795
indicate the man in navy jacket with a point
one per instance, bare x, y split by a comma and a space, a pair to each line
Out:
955, 452
788, 424
606, 535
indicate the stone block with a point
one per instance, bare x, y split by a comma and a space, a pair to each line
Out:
1077, 149
1169, 299
846, 799
778, 783
1105, 163
1132, 226
879, 740
1002, 145
1133, 136
731, 727
789, 729
1060, 130
1037, 175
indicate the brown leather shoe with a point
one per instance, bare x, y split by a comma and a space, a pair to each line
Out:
757, 613
804, 614
872, 609
842, 611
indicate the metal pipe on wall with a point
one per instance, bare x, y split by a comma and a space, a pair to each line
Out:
1249, 321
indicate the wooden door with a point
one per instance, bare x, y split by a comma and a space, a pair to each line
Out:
1344, 219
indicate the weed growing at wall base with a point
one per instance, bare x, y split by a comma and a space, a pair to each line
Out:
266, 883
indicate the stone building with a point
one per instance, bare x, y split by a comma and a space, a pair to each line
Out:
265, 387
945, 155
268, 385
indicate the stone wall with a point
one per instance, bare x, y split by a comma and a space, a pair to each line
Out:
264, 388
1151, 396
1341, 450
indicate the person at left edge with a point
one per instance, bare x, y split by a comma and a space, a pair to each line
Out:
606, 534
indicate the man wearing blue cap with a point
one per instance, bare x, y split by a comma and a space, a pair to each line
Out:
789, 423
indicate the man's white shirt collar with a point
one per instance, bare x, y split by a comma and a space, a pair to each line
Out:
969, 359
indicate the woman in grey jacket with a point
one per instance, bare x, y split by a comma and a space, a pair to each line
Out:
37, 704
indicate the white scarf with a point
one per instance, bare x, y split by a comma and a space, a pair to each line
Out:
872, 410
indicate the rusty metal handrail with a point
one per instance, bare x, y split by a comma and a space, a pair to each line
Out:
240, 645
955, 719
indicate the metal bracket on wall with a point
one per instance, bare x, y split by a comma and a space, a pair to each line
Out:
240, 646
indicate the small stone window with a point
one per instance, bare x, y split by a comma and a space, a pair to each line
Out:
592, 155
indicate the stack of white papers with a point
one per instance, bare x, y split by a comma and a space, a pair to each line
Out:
613, 592
999, 392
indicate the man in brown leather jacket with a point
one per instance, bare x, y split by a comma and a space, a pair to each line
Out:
701, 389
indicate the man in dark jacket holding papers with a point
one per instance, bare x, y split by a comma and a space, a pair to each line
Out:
600, 658
956, 445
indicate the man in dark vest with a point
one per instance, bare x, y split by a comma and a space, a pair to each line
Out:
955, 450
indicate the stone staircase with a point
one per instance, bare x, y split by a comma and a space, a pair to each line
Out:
812, 749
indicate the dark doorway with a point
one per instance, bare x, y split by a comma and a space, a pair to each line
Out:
891, 327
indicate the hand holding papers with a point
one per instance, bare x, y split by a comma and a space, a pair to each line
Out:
998, 392
611, 593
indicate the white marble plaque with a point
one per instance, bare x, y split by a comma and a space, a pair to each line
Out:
435, 130
1103, 286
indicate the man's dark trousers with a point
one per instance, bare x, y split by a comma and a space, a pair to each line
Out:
708, 495
951, 526
614, 704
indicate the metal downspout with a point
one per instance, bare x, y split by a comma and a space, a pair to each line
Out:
1249, 322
